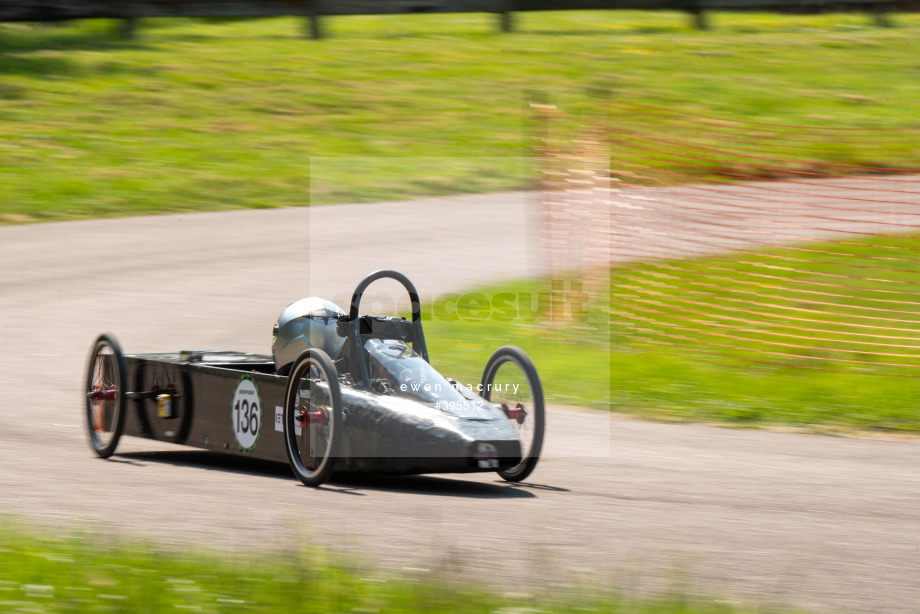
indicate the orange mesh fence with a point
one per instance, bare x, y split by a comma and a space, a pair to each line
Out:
816, 268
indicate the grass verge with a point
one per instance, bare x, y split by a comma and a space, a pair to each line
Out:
86, 574
199, 114
775, 336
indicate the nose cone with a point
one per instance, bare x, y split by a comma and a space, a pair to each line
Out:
389, 433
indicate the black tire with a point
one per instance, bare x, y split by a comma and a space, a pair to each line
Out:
105, 395
314, 372
532, 425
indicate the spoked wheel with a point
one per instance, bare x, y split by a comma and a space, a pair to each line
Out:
313, 417
511, 381
105, 395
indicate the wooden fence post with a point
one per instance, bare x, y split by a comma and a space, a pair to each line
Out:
314, 26
506, 21
127, 27
698, 17
880, 16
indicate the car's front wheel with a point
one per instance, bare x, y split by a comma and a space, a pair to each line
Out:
510, 380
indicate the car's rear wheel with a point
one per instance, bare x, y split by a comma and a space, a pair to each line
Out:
105, 395
313, 417
510, 380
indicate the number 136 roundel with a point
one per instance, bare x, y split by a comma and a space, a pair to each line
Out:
246, 413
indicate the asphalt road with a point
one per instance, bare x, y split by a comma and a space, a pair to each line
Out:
826, 524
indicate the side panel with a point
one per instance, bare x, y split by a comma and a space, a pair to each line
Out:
229, 410
237, 412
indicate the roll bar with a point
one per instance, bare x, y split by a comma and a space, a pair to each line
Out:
367, 281
416, 333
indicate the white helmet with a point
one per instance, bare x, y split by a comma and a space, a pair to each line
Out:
308, 323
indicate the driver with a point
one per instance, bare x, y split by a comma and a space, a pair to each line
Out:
391, 364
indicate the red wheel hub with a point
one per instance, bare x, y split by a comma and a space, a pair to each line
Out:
517, 413
318, 417
103, 394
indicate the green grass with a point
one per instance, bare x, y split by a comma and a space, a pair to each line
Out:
87, 573
198, 114
791, 336
571, 356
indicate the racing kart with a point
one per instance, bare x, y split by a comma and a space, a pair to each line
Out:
375, 405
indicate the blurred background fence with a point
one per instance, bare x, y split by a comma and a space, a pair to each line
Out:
759, 243
131, 10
